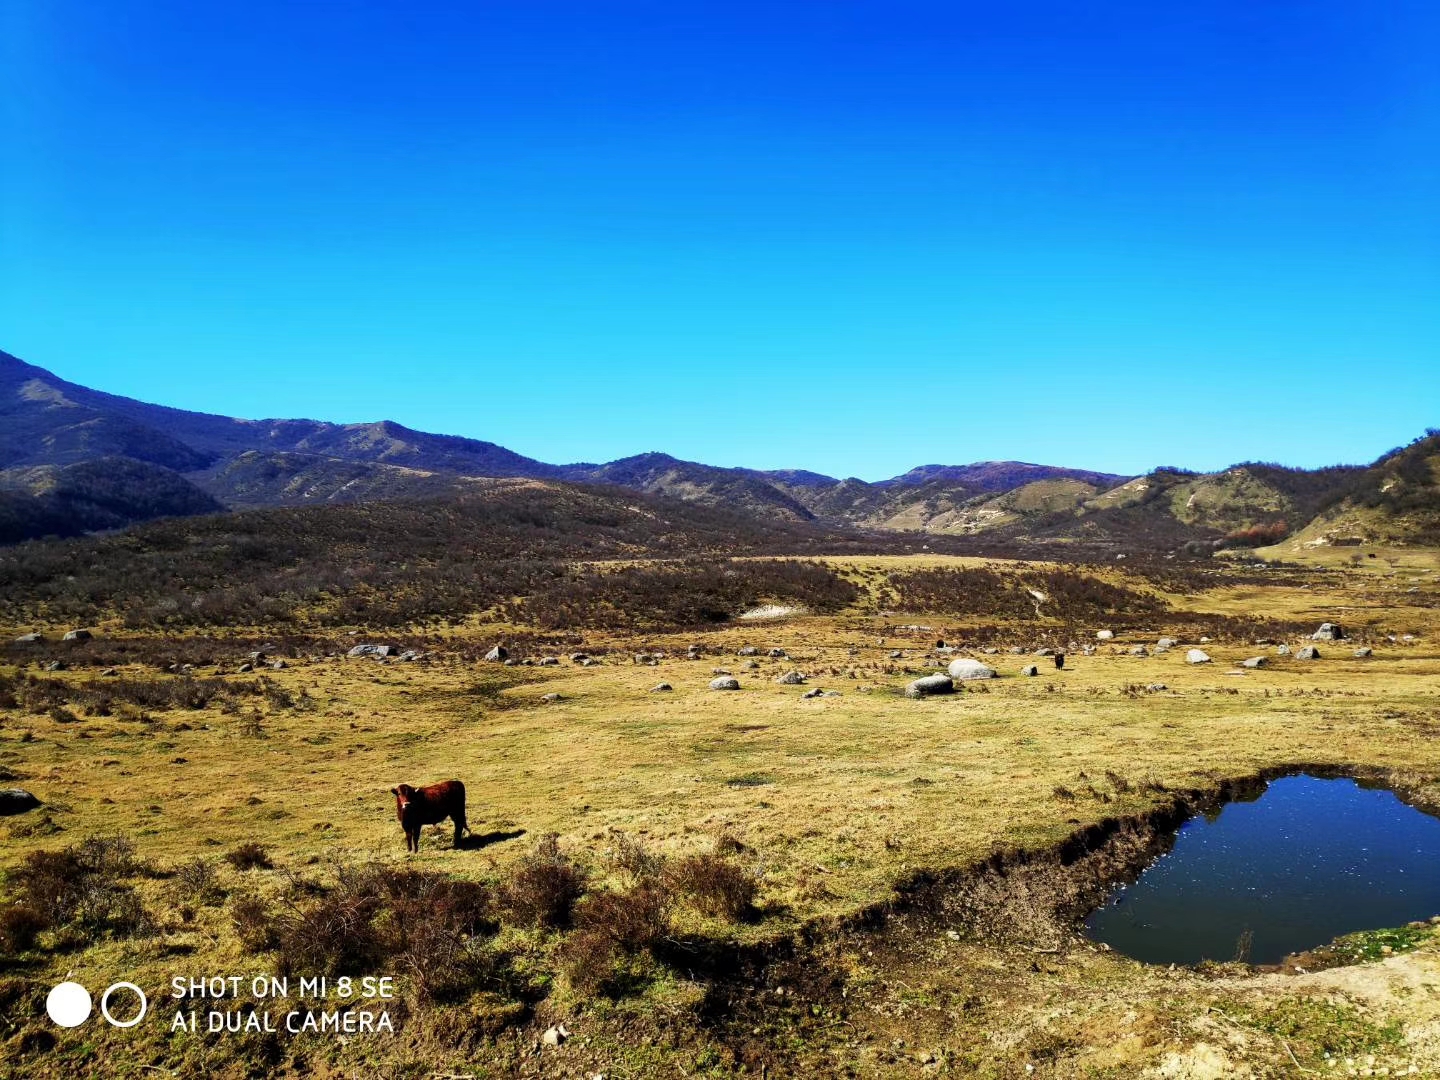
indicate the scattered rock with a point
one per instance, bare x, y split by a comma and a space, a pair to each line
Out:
778, 654
245, 669
747, 650
555, 1036
817, 692
661, 688
1204, 641
791, 678
29, 639
1139, 650
78, 635
1362, 653
549, 661
1043, 652
55, 665
1167, 642
109, 672
1104, 635
720, 671
1328, 632
17, 801
550, 698
725, 682
1253, 662
1156, 687
930, 685
1282, 650
896, 654
498, 653
1015, 650
1029, 669
1196, 656
278, 665
579, 657
1309, 652
965, 668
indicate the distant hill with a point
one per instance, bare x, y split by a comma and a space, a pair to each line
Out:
75, 460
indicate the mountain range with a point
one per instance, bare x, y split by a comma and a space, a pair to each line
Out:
75, 460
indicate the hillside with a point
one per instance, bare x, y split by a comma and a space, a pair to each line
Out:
142, 461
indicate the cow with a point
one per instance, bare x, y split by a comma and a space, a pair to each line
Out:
418, 807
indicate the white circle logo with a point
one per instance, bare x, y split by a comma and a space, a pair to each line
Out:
68, 1004
105, 1004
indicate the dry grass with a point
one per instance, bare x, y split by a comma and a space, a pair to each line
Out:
836, 798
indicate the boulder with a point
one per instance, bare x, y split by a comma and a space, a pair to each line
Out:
1043, 652
498, 653
245, 669
1104, 635
1253, 662
1328, 632
1167, 642
1362, 653
1015, 650
1029, 669
1139, 650
1309, 652
549, 661
1282, 650
278, 665
791, 678
1196, 656
16, 801
930, 685
720, 671
1156, 687
55, 665
965, 668
779, 654
550, 698
747, 650
29, 639
661, 688
579, 657
371, 650
1204, 640
78, 635
896, 654
725, 682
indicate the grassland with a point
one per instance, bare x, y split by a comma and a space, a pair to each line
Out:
862, 815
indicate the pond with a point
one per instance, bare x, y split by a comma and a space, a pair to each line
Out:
1308, 860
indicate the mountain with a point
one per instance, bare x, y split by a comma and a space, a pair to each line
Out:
75, 460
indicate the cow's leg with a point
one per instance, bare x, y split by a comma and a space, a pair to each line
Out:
412, 840
460, 826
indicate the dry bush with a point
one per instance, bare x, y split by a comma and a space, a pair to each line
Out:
20, 927
717, 886
542, 889
613, 926
249, 856
254, 923
197, 880
82, 887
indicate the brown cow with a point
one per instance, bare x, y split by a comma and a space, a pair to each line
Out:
418, 807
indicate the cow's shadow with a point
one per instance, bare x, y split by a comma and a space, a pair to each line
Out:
477, 841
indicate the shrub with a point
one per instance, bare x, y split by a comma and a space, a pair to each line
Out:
20, 926
254, 923
543, 888
717, 886
613, 925
83, 887
249, 856
196, 880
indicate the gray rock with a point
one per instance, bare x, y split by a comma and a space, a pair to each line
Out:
720, 671
1253, 662
498, 653
1196, 656
55, 665
930, 685
1309, 652
791, 678
29, 639
78, 635
1029, 669
278, 665
1139, 650
661, 688
109, 672
1328, 632
245, 669
1362, 653
17, 801
896, 654
555, 1036
1015, 650
1043, 652
579, 657
550, 698
750, 665
747, 650
779, 654
549, 661
1167, 642
725, 682
1282, 650
372, 650
964, 668
1156, 687
1204, 640
1104, 635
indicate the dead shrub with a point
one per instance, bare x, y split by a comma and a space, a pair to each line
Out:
20, 927
254, 923
83, 886
542, 889
196, 880
717, 886
249, 856
613, 926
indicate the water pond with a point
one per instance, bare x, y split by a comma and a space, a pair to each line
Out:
1307, 860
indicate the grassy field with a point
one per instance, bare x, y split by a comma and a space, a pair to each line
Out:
831, 803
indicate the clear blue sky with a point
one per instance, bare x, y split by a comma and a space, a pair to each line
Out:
850, 237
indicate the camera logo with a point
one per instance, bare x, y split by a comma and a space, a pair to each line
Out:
69, 1005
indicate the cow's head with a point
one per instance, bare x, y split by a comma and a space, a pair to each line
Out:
404, 796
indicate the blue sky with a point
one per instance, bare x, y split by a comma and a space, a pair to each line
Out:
850, 237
